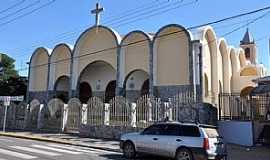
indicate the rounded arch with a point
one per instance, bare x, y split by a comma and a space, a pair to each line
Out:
61, 88
226, 61
39, 70
171, 45
246, 91
102, 42
62, 84
136, 46
147, 37
95, 68
136, 85
210, 47
242, 57
60, 61
134, 53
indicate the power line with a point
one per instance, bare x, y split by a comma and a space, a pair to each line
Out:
165, 10
20, 10
13, 6
141, 12
27, 13
73, 33
194, 27
133, 11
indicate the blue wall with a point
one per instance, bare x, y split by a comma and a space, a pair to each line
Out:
236, 132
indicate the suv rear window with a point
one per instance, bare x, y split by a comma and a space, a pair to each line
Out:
190, 131
211, 132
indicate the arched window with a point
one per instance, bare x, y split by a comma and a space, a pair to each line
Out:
247, 53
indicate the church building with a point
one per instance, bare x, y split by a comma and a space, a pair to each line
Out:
164, 63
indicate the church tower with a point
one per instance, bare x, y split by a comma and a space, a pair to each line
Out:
249, 46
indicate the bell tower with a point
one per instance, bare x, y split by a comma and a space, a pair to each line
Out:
249, 46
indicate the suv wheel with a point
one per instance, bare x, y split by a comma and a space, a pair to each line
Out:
183, 154
129, 150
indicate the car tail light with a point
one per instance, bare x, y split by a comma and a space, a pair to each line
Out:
206, 144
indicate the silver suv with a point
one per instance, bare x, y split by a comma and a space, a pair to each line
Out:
182, 141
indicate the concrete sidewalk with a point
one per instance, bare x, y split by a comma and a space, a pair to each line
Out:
64, 138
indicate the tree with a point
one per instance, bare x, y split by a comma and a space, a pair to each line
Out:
8, 68
14, 86
10, 82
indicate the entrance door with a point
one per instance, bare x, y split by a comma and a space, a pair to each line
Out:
145, 87
85, 92
110, 91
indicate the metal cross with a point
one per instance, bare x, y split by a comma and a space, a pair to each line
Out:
97, 12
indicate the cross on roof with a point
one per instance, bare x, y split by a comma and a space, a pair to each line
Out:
97, 12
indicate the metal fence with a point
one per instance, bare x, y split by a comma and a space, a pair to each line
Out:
118, 112
236, 107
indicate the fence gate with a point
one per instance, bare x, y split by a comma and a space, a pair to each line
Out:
33, 115
53, 115
182, 108
20, 112
120, 113
73, 115
95, 111
148, 111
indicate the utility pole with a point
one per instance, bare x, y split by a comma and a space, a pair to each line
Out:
1, 66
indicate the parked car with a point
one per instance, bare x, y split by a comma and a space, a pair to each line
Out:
182, 141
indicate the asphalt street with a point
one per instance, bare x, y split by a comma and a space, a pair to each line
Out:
22, 149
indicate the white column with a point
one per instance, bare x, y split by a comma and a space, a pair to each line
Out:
65, 117
84, 114
133, 114
168, 111
107, 114
150, 115
26, 116
40, 121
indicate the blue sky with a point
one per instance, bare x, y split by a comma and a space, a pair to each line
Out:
64, 20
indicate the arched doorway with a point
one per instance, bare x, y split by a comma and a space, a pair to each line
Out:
85, 92
110, 91
101, 77
136, 84
61, 88
145, 88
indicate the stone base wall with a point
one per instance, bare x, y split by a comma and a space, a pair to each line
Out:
165, 92
106, 132
99, 94
133, 95
39, 95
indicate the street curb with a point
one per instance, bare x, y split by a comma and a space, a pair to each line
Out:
39, 138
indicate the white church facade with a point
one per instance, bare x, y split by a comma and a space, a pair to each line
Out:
170, 61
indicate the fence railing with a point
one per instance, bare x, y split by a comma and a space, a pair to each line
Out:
236, 107
118, 112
